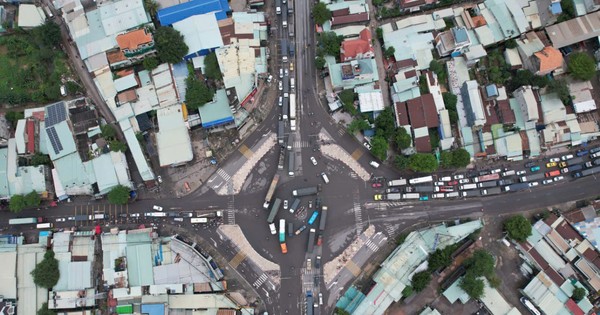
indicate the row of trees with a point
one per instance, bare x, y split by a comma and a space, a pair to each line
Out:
20, 202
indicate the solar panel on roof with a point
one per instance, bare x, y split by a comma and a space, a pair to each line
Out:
54, 140
55, 113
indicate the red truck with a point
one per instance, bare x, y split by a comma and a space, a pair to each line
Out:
553, 173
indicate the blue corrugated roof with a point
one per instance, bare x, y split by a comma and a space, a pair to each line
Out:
556, 8
460, 34
153, 309
170, 15
491, 90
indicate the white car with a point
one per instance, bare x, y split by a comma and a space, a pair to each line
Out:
61, 220
557, 178
459, 176
286, 73
285, 204
566, 157
446, 179
521, 172
159, 179
135, 215
498, 170
367, 145
313, 160
464, 181
439, 183
273, 229
280, 101
554, 160
280, 86
374, 164
269, 79
157, 208
533, 184
547, 181
281, 73
320, 298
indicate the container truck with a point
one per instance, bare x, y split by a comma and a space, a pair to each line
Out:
147, 214
313, 217
532, 177
198, 220
274, 210
517, 187
305, 191
572, 168
588, 172
311, 240
397, 182
281, 162
491, 191
292, 106
552, 173
504, 182
290, 142
293, 125
393, 197
309, 302
281, 230
295, 205
323, 219
487, 184
438, 195
471, 193
411, 196
420, 180
280, 133
291, 164
486, 178
81, 217
290, 7
271, 191
284, 21
24, 221
453, 194
589, 164
284, 50
468, 186
419, 189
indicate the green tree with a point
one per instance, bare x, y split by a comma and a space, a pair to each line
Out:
73, 88
450, 102
108, 131
379, 34
560, 87
118, 146
17, 203
446, 159
347, 97
40, 159
582, 66
340, 311
402, 138
319, 62
14, 117
358, 124
518, 228
439, 69
151, 7
472, 285
331, 43
32, 199
423, 86
460, 158
423, 162
494, 281
320, 13
197, 93
420, 280
211, 67
46, 273
47, 34
119, 195
568, 10
389, 52
170, 44
379, 147
378, 3
401, 162
150, 63
385, 124
481, 264
441, 258
526, 77
408, 291
45, 311
578, 294
511, 43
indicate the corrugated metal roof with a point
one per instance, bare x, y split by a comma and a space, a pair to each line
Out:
216, 113
30, 16
200, 32
139, 264
173, 138
125, 83
185, 10
200, 301
119, 16
135, 149
8, 271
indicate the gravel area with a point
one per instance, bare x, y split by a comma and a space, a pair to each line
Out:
336, 152
236, 236
333, 267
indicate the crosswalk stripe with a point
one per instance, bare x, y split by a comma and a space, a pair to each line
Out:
260, 281
223, 174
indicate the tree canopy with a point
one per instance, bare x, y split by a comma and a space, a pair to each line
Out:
358, 124
420, 280
347, 97
108, 131
379, 147
16, 203
48, 34
319, 62
518, 228
450, 101
389, 52
45, 311
330, 43
423, 162
385, 124
402, 138
460, 158
118, 146
472, 285
211, 67
578, 294
197, 93
321, 13
46, 273
441, 258
401, 162
582, 66
560, 87
170, 45
119, 195
40, 159
481, 263
150, 63
151, 7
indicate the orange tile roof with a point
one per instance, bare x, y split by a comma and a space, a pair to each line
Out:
133, 39
550, 59
351, 48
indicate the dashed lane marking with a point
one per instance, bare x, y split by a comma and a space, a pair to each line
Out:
246, 151
357, 154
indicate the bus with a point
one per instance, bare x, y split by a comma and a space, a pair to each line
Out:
23, 221
44, 225
292, 106
420, 180
281, 230
291, 164
313, 217
198, 220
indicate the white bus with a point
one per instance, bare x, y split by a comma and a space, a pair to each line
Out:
292, 106
420, 180
44, 225
198, 220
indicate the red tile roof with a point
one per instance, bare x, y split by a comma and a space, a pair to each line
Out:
132, 40
574, 308
423, 144
554, 276
550, 59
411, 3
490, 113
340, 12
406, 63
401, 114
30, 136
416, 113
350, 49
568, 232
507, 116
347, 19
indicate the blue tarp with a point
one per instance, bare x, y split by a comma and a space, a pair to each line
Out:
170, 15
556, 8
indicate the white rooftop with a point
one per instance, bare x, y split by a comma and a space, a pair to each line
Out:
371, 101
173, 138
200, 32
30, 16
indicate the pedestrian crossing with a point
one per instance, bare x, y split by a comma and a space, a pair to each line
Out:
231, 211
341, 132
390, 229
260, 281
357, 214
223, 174
301, 144
372, 246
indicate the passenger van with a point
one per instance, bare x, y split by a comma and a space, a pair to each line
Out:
325, 178
293, 83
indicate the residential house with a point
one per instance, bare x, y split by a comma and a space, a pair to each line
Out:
527, 102
423, 116
561, 129
574, 30
135, 45
348, 75
581, 93
452, 42
359, 48
30, 16
370, 98
546, 61
473, 103
348, 12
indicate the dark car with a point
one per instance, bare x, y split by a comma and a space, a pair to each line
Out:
529, 164
318, 203
484, 172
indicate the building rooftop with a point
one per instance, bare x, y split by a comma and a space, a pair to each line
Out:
30, 16
8, 274
136, 151
549, 59
131, 40
200, 32
352, 48
216, 113
29, 256
173, 14
574, 30
139, 259
173, 139
422, 112
371, 101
